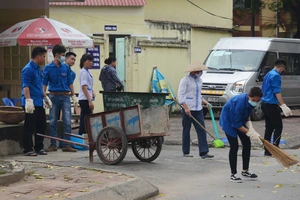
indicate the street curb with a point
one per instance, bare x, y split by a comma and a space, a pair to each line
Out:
17, 174
137, 189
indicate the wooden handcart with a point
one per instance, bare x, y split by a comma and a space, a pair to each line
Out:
110, 132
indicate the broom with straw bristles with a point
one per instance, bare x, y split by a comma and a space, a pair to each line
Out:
281, 156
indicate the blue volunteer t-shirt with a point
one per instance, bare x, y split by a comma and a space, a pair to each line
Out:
31, 78
271, 85
235, 114
57, 77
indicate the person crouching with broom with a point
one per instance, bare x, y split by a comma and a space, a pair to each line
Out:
235, 122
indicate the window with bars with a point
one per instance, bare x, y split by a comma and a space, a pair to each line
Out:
14, 59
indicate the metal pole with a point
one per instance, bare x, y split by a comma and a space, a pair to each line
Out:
277, 20
252, 19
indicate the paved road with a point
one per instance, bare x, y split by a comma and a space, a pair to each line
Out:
181, 178
290, 133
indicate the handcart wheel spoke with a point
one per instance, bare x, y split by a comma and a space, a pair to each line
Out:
147, 149
114, 140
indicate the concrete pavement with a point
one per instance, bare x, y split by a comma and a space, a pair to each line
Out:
47, 178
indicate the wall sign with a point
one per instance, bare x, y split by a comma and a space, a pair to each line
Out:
95, 52
110, 27
137, 50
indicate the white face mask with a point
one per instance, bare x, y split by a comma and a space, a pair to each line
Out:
198, 75
252, 103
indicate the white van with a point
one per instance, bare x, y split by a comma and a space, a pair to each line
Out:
239, 63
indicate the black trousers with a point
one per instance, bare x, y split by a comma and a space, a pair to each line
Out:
234, 146
84, 110
273, 123
34, 123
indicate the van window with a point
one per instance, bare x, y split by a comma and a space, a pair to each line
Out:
270, 59
293, 63
235, 60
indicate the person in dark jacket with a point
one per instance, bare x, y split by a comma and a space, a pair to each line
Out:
108, 76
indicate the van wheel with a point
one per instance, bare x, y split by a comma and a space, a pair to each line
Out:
257, 113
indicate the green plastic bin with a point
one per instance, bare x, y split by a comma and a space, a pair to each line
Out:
117, 100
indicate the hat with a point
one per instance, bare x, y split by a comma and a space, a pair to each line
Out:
196, 66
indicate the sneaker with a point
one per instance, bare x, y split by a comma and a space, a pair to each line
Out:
187, 155
234, 178
207, 156
52, 148
68, 149
249, 174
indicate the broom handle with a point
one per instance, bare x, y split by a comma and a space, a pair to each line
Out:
195, 120
214, 122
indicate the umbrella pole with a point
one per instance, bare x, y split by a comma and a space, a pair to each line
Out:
29, 52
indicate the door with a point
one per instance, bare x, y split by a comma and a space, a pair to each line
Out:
121, 60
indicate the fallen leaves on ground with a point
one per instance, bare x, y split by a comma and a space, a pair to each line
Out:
38, 176
278, 186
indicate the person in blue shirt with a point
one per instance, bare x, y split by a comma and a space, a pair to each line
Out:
108, 76
235, 122
70, 60
34, 100
272, 103
189, 96
57, 75
86, 92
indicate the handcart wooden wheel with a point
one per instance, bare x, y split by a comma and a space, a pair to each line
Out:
111, 145
148, 149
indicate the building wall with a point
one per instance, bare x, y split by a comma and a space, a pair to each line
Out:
171, 55
91, 20
183, 11
268, 17
203, 41
170, 61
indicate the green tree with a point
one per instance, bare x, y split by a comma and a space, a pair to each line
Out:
288, 11
289, 15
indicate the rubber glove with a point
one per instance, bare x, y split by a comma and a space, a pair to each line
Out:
249, 125
29, 106
286, 110
253, 135
75, 100
47, 102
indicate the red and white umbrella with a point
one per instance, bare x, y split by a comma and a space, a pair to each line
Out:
44, 32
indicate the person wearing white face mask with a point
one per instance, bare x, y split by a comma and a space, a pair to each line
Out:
189, 96
272, 103
57, 75
235, 122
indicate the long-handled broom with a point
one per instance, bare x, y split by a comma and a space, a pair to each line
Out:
281, 156
217, 143
214, 124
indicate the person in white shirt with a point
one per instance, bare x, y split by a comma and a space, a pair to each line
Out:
189, 96
86, 92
